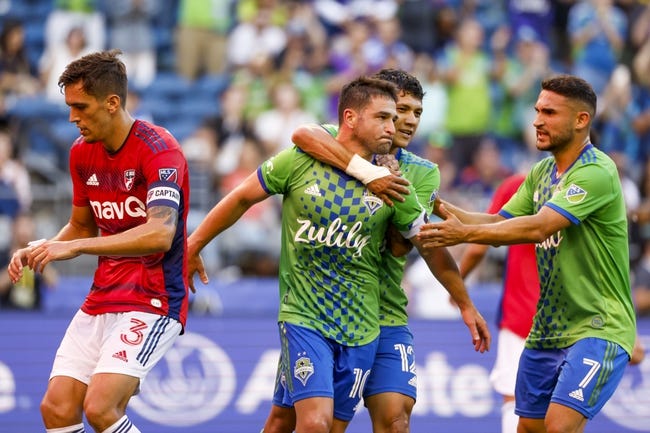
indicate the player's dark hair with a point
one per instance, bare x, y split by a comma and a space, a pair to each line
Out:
358, 94
101, 74
572, 87
404, 81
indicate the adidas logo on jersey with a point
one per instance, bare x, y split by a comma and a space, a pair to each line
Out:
121, 355
577, 394
313, 190
92, 180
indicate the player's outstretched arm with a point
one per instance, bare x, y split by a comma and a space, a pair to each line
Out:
223, 215
318, 143
520, 230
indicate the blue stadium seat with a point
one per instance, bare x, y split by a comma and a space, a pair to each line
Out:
168, 85
212, 85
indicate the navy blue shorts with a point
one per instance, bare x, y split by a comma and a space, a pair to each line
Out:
314, 366
394, 366
583, 377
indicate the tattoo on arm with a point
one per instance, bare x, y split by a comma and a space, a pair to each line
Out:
168, 214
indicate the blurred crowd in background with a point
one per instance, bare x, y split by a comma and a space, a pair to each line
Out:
232, 79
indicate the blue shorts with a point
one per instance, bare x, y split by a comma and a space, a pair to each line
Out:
314, 366
583, 377
394, 366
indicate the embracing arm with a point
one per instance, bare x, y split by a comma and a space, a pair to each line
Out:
319, 144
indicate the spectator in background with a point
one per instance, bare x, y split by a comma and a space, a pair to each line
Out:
240, 245
533, 15
304, 61
641, 282
435, 101
417, 17
641, 74
68, 14
480, 179
466, 72
385, 49
16, 75
519, 72
231, 128
26, 293
275, 126
642, 215
201, 37
632, 196
616, 114
14, 174
56, 57
597, 30
10, 203
130, 28
259, 37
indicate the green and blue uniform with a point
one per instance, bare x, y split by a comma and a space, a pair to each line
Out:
584, 282
394, 367
332, 236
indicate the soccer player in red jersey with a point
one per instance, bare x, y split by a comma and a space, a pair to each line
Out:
129, 208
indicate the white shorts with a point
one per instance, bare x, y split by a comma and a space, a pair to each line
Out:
504, 373
125, 343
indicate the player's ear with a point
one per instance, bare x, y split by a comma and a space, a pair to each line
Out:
113, 103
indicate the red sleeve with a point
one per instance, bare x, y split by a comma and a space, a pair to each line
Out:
503, 193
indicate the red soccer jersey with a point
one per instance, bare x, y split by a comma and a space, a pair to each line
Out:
149, 170
520, 280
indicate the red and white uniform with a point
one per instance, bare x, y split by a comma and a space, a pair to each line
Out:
148, 170
520, 289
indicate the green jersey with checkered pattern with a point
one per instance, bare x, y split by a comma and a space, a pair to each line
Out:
332, 236
425, 178
584, 269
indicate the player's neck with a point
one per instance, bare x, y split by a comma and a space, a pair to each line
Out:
121, 130
565, 159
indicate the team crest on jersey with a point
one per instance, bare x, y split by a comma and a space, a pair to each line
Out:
575, 194
129, 177
303, 369
434, 196
372, 202
168, 174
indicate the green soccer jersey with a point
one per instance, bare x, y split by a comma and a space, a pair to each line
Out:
583, 269
332, 233
425, 178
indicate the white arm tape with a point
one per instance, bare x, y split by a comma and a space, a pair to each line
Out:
35, 243
365, 170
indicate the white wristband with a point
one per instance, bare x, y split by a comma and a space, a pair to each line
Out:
35, 243
365, 170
